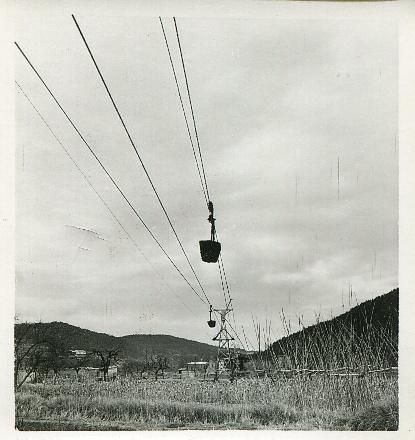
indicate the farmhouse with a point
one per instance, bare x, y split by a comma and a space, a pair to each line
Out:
98, 373
197, 369
78, 353
90, 373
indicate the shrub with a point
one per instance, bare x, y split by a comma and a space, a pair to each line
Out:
382, 416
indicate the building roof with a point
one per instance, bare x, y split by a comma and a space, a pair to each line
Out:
77, 351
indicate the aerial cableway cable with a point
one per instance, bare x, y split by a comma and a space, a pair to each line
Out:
88, 181
224, 275
222, 272
139, 157
222, 284
191, 108
220, 263
224, 280
191, 140
184, 112
107, 173
209, 249
221, 266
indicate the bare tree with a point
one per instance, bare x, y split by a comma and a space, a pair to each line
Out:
106, 357
77, 362
131, 366
160, 363
31, 348
146, 364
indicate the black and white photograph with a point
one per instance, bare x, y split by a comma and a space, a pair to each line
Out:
206, 222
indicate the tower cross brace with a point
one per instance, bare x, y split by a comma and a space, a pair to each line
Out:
224, 361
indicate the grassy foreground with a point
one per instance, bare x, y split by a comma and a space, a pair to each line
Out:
323, 403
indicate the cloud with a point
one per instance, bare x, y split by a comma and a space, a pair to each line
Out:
297, 122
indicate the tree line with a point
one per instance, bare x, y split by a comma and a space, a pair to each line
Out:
37, 353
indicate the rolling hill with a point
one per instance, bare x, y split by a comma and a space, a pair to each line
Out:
367, 333
70, 337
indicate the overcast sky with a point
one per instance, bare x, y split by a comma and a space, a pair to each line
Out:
278, 103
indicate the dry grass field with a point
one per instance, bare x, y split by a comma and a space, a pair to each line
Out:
298, 403
350, 383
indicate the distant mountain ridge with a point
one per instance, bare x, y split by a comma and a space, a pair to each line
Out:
71, 337
370, 327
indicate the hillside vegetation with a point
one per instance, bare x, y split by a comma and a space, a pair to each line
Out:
70, 337
365, 335
309, 397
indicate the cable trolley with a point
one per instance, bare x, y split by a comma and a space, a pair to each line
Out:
210, 249
211, 322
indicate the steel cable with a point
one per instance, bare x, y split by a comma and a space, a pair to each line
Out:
88, 181
106, 172
184, 112
139, 157
191, 108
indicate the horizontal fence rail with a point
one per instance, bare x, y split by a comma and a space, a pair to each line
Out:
337, 372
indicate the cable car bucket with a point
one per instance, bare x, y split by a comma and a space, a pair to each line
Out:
211, 322
210, 249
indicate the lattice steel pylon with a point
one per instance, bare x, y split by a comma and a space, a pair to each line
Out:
224, 360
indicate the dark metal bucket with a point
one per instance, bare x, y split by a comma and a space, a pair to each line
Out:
209, 250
